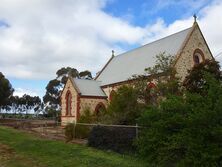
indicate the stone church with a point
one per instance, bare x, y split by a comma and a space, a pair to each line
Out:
188, 46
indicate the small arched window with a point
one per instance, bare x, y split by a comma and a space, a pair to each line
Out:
198, 56
151, 85
111, 95
100, 107
68, 103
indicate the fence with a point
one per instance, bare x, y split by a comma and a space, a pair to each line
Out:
82, 130
53, 130
47, 128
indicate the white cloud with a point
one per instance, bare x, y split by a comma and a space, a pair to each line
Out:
20, 92
45, 35
209, 21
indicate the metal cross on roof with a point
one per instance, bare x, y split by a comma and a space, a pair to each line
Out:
195, 17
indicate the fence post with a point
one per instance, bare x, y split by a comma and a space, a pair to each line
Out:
136, 131
57, 128
74, 133
46, 128
42, 129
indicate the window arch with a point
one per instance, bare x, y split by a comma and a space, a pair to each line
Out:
151, 85
99, 108
68, 103
198, 57
112, 94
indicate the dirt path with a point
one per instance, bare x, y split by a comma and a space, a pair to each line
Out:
9, 158
6, 153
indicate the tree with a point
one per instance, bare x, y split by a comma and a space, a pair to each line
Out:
129, 101
195, 82
184, 130
55, 86
6, 90
25, 104
124, 107
158, 81
85, 75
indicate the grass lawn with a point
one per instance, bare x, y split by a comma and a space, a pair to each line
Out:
20, 149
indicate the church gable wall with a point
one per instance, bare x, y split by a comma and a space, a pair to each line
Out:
72, 117
186, 59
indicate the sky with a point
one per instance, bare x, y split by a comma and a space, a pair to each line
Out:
38, 37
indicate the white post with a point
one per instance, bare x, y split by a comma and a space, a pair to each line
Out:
136, 131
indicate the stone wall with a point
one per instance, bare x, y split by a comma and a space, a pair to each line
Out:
108, 90
185, 61
72, 118
90, 103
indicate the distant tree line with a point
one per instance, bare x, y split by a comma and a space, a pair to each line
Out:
14, 104
50, 106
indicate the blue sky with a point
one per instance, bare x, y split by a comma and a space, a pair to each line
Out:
142, 12
40, 36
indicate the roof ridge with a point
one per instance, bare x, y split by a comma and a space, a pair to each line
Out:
90, 80
152, 42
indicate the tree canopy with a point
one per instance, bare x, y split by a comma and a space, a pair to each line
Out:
25, 104
195, 81
6, 90
184, 130
184, 127
55, 86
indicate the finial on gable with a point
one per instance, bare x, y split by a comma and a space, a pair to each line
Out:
113, 53
195, 18
69, 74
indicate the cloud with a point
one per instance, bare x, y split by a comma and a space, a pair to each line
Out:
188, 7
42, 36
208, 21
20, 92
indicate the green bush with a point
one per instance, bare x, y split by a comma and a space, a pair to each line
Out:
82, 131
124, 107
184, 131
118, 139
87, 116
70, 131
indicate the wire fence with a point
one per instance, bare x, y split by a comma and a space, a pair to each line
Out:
78, 127
53, 130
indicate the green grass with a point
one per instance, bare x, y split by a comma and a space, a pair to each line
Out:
29, 150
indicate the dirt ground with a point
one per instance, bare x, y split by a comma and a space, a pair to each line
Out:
6, 153
9, 158
48, 129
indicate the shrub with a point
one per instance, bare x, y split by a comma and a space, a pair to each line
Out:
195, 81
87, 116
184, 131
82, 131
112, 138
70, 131
124, 107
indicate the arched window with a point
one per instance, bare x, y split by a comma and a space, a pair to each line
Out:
68, 103
151, 85
198, 56
99, 108
196, 59
111, 95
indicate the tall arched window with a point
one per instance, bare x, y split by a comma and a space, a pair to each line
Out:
68, 103
111, 95
198, 56
99, 108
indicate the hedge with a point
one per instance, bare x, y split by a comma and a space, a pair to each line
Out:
117, 139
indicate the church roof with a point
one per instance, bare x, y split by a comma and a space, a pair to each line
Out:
89, 87
124, 66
